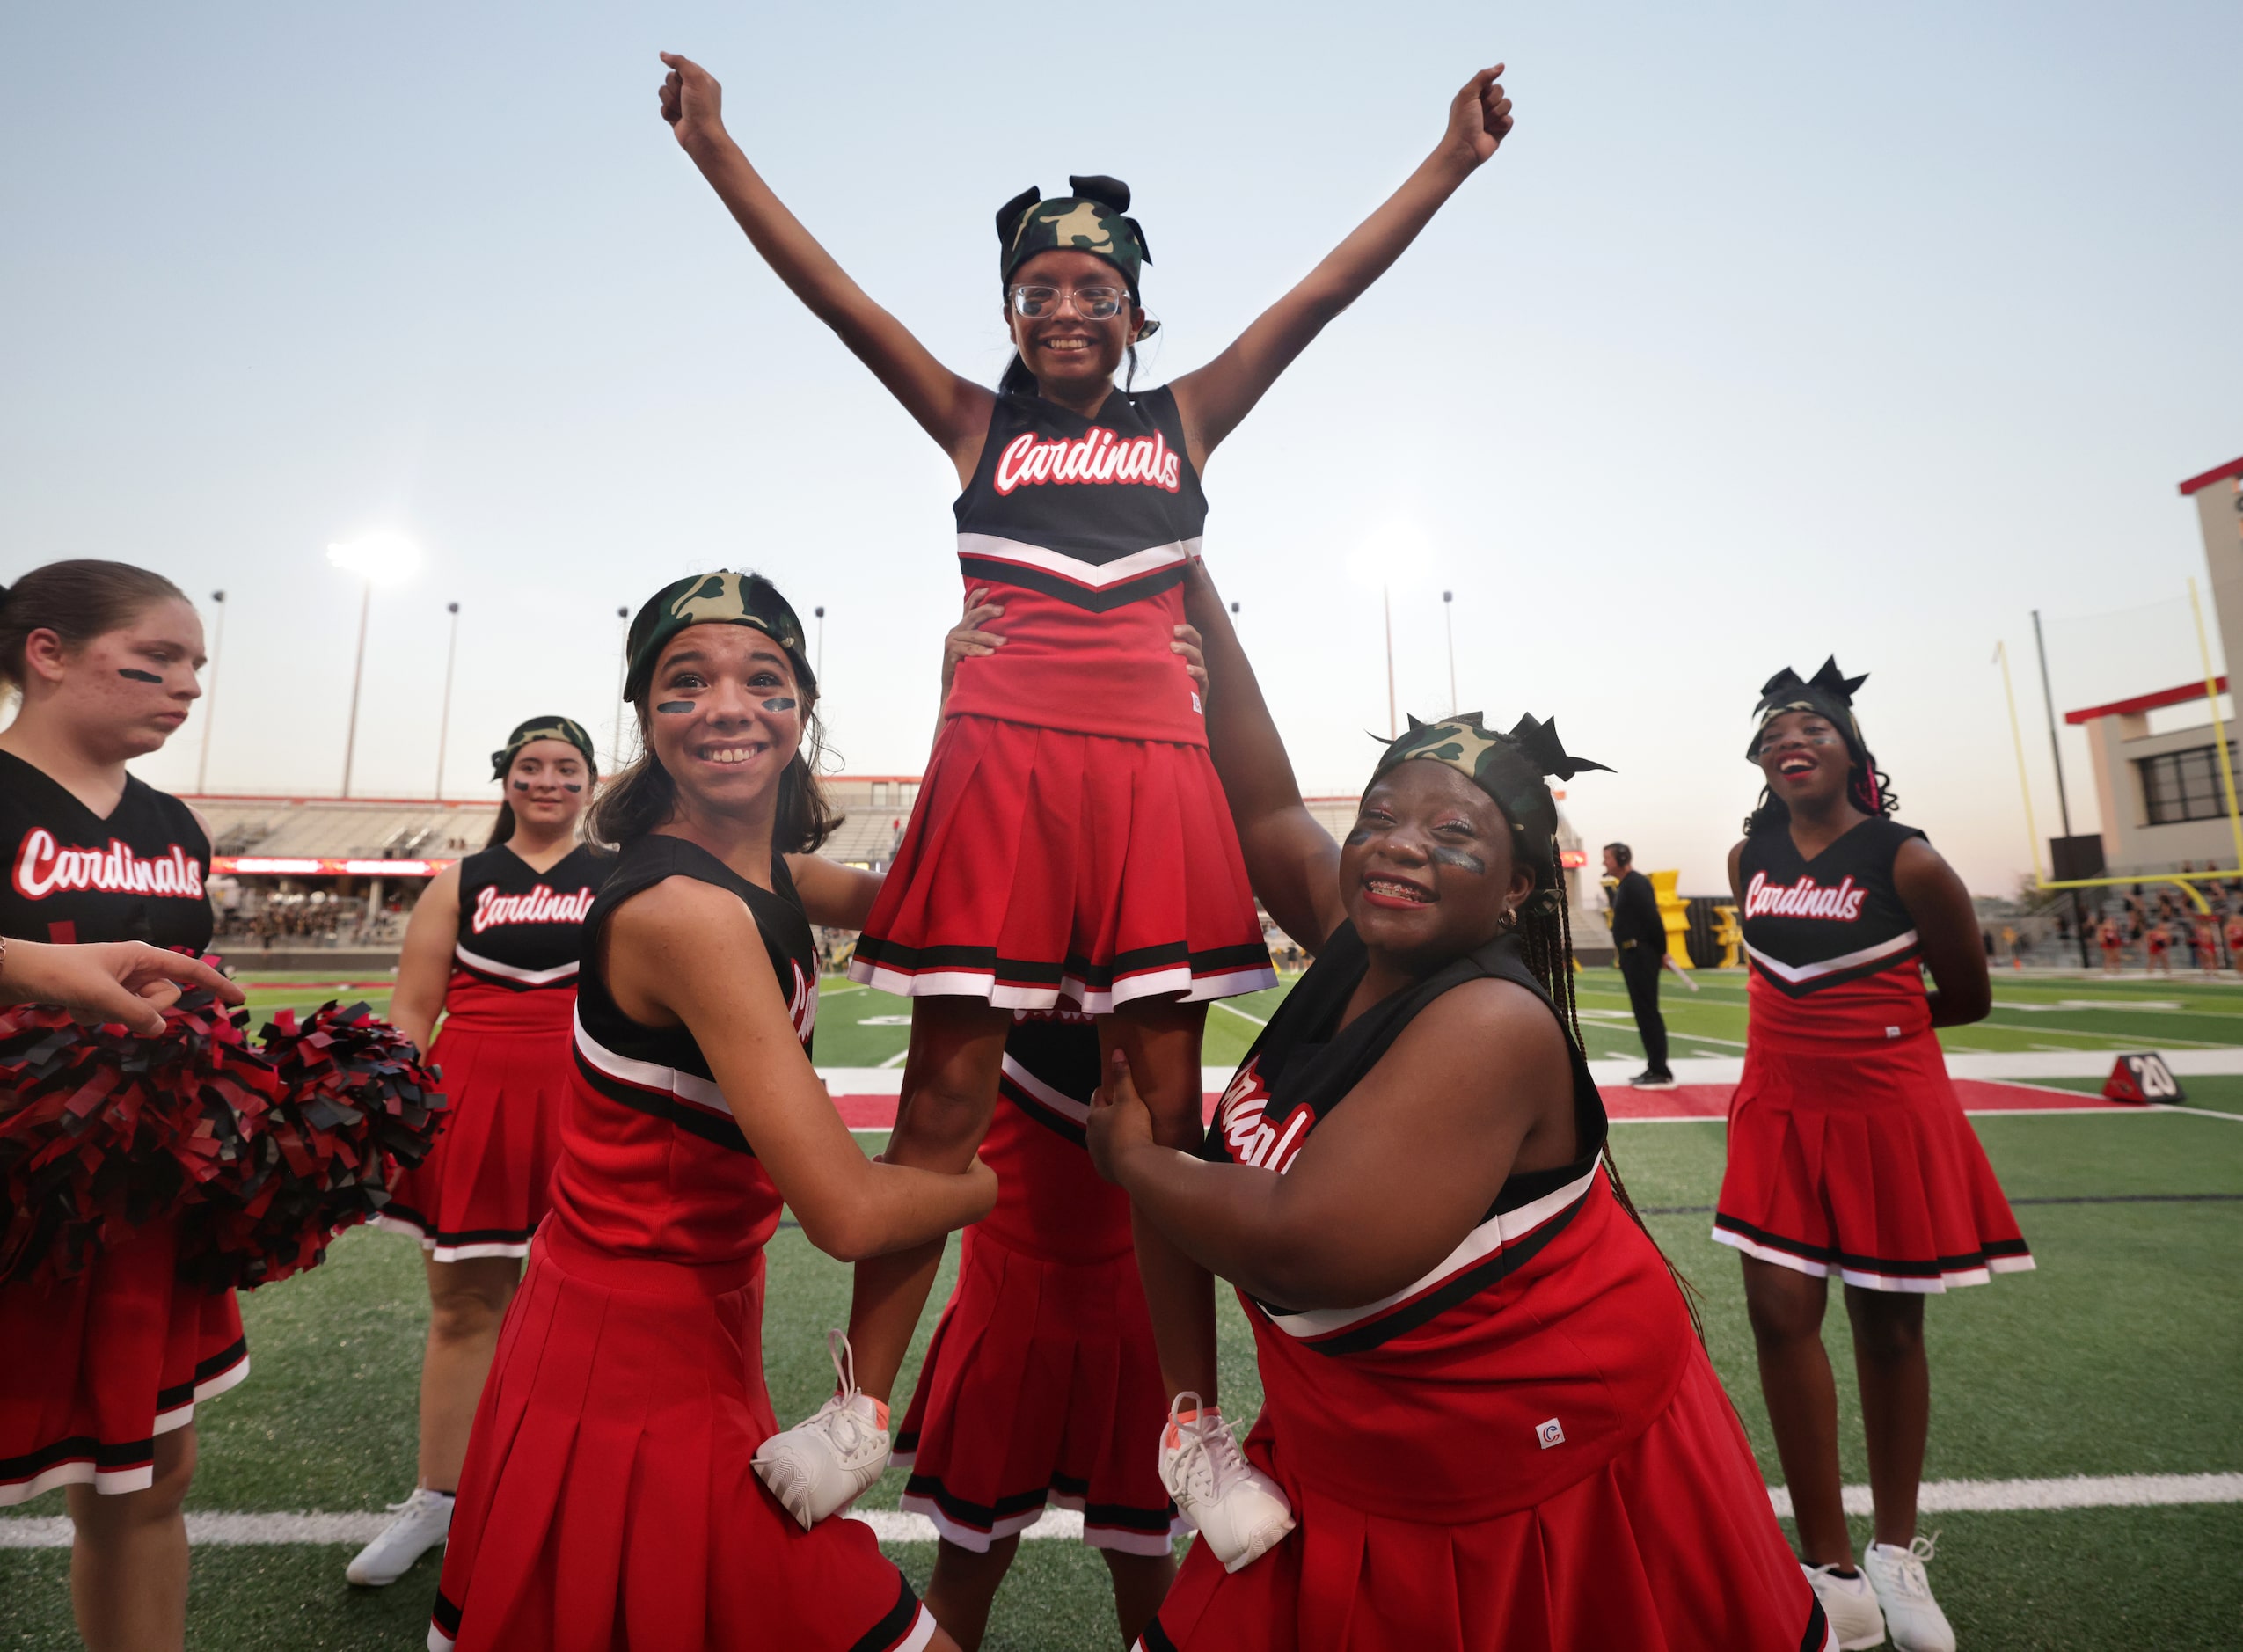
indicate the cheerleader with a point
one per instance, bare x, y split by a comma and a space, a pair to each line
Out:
608, 1499
493, 948
1040, 1384
1483, 1394
103, 1372
1848, 1152
1069, 841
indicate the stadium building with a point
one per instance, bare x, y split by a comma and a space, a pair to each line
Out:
2161, 796
313, 882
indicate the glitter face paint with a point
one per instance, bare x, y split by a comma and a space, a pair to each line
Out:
779, 706
675, 707
131, 674
1463, 860
1358, 837
571, 786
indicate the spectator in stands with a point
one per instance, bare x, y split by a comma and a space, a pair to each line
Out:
1640, 936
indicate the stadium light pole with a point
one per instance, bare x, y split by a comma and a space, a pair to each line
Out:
2064, 799
210, 696
1386, 606
376, 559
1449, 622
444, 717
621, 675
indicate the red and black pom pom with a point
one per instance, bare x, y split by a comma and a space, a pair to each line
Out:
268, 1152
355, 1099
102, 1131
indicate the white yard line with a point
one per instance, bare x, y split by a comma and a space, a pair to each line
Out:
1937, 1496
896, 1060
1241, 1014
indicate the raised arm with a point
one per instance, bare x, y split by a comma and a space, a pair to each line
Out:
425, 962
954, 411
1291, 861
1215, 397
687, 951
1385, 1188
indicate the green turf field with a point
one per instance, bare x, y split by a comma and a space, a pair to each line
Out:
2121, 1355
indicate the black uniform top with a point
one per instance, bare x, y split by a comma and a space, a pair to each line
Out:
521, 929
75, 876
601, 1023
1081, 529
1810, 926
1304, 1064
1636, 923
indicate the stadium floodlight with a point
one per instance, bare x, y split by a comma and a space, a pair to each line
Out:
383, 557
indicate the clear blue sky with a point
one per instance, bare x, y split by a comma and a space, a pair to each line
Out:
1774, 329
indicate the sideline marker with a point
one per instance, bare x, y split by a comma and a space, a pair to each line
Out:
2142, 1078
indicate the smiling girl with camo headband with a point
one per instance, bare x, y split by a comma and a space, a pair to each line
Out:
1069, 842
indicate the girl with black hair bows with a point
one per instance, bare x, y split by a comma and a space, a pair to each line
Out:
1848, 1152
1070, 840
101, 1373
492, 949
1483, 1391
608, 1499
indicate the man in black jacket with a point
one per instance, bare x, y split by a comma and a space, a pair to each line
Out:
1641, 935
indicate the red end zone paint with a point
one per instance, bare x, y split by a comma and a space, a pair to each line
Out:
1712, 1100
1685, 1101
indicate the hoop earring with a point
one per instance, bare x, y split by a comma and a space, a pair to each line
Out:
1510, 920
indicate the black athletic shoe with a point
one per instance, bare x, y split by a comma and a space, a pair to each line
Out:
1649, 1080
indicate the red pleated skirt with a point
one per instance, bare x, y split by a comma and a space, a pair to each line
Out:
482, 1190
93, 1369
1671, 1546
1041, 865
1041, 1384
608, 1503
1856, 1159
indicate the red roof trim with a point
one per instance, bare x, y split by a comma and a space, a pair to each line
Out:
2141, 703
2197, 483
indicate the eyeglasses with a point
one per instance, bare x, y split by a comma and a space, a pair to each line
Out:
1091, 303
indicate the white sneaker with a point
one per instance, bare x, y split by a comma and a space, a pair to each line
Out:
819, 1466
1237, 1509
1898, 1575
424, 1520
1851, 1605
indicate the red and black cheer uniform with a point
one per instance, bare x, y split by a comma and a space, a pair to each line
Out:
1070, 840
1848, 1152
504, 1052
1526, 1448
608, 1500
1042, 1384
92, 1369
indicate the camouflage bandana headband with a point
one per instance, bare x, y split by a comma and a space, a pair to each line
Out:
542, 728
1091, 220
1829, 694
723, 598
1509, 768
